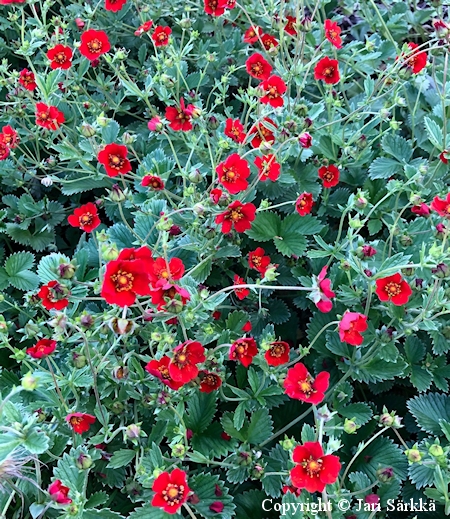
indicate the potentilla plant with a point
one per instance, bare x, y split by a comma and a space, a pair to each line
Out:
224, 259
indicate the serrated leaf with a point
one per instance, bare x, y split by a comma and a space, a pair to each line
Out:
435, 134
239, 416
422, 475
152, 512
121, 458
428, 410
19, 262
278, 311
48, 266
359, 412
382, 453
308, 433
397, 147
205, 487
110, 132
73, 185
104, 513
291, 245
260, 427
25, 280
265, 226
384, 167
200, 411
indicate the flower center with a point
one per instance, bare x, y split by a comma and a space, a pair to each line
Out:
180, 359
95, 46
312, 466
256, 260
60, 57
333, 34
162, 36
164, 370
277, 350
393, 289
235, 215
43, 116
86, 219
229, 175
447, 209
173, 494
115, 161
75, 420
257, 68
328, 72
123, 281
328, 176
209, 380
306, 387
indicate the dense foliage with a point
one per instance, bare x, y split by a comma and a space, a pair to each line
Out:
225, 270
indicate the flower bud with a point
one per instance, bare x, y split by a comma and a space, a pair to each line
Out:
110, 252
301, 110
66, 270
406, 240
413, 455
385, 475
288, 443
133, 431
87, 130
244, 459
79, 361
195, 176
305, 25
441, 271
178, 450
305, 140
29, 382
116, 194
257, 471
436, 451
350, 426
121, 326
86, 320
83, 462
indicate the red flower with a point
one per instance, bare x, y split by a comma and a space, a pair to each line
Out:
171, 491
216, 507
145, 27
300, 385
94, 44
53, 295
114, 158
274, 87
160, 369
291, 489
416, 60
277, 354
4, 148
333, 33
80, 422
215, 195
7, 2
155, 124
252, 33
180, 118
186, 356
305, 140
233, 174
85, 217
241, 293
58, 493
215, 7
304, 204
314, 470
143, 254
290, 26
27, 79
48, 116
258, 67
263, 133
247, 327
442, 207
165, 293
243, 350
327, 70
153, 181
10, 137
257, 260
368, 251
350, 326
269, 41
268, 168
235, 130
114, 5
393, 288
161, 36
420, 210
444, 156
42, 349
60, 57
209, 382
329, 175
238, 215
322, 292
123, 280
171, 271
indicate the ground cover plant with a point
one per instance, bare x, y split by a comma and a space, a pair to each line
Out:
224, 262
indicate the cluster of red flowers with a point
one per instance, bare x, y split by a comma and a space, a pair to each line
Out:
9, 140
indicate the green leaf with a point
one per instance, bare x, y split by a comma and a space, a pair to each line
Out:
73, 185
36, 442
428, 410
260, 427
435, 134
104, 513
228, 426
152, 512
397, 147
25, 280
204, 486
19, 262
69, 474
239, 416
384, 167
291, 245
308, 433
110, 132
200, 411
48, 266
374, 226
359, 412
121, 458
209, 442
382, 453
265, 226
422, 475
291, 239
